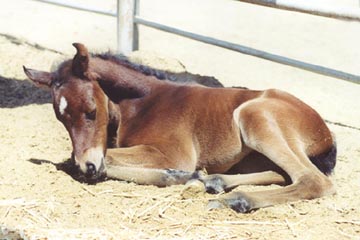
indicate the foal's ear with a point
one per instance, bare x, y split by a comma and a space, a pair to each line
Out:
40, 78
80, 63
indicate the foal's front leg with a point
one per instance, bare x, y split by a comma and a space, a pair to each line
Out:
150, 176
144, 164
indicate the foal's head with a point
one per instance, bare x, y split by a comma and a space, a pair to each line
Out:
82, 107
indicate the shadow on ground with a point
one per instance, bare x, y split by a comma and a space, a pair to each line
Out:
69, 168
17, 93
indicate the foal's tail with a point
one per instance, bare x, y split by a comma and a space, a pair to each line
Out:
326, 161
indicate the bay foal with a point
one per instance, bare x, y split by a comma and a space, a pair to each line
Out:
163, 132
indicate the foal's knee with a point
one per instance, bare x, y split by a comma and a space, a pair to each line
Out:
315, 186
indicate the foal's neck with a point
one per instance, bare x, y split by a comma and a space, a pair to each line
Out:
120, 82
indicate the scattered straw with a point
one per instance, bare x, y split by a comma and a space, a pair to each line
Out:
188, 228
7, 183
162, 210
294, 210
347, 221
159, 233
148, 209
32, 216
127, 215
16, 202
290, 228
127, 195
146, 196
6, 212
88, 190
273, 231
249, 222
38, 218
347, 234
105, 191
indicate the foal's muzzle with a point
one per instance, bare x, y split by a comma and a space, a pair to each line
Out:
91, 171
91, 163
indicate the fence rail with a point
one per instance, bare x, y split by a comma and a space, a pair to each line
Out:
343, 13
77, 6
128, 21
253, 52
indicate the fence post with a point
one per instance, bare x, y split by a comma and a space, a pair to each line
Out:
125, 26
136, 26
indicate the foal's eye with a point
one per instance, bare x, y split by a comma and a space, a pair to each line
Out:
91, 115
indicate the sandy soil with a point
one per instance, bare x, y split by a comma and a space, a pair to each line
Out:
41, 202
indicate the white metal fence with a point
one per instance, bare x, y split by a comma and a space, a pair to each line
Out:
128, 20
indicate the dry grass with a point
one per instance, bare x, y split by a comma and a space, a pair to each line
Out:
39, 202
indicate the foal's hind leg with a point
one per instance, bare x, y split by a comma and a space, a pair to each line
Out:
253, 169
217, 183
262, 132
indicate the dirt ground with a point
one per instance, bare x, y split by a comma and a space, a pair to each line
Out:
41, 202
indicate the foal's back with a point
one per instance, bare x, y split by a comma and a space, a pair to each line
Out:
179, 108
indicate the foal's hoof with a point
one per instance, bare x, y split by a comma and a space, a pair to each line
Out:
193, 189
215, 204
238, 202
214, 184
198, 175
240, 205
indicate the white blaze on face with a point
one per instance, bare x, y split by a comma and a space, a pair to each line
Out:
62, 106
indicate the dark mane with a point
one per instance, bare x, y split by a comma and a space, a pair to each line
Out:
124, 61
183, 77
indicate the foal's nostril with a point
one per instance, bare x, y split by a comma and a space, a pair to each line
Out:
90, 169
